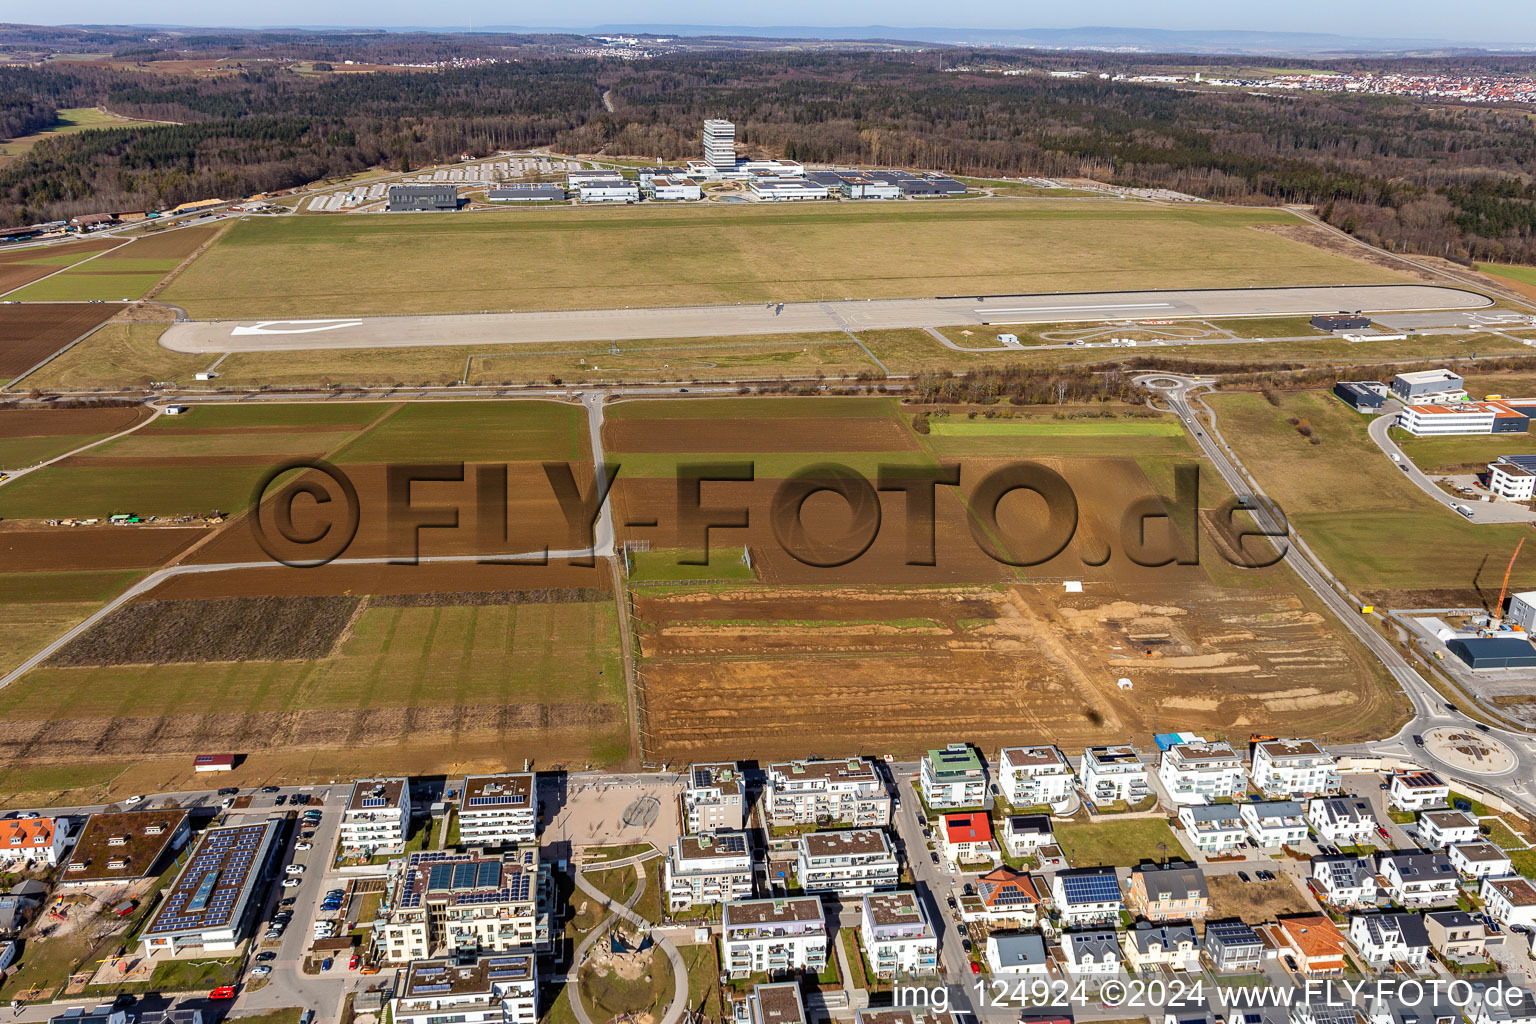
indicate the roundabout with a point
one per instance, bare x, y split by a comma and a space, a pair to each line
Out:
1468, 750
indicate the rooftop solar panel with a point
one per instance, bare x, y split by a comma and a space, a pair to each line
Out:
1097, 888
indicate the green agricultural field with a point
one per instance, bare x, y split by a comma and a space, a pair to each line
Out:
89, 284
1525, 275
838, 406
661, 566
67, 121
1122, 843
64, 491
299, 415
729, 358
28, 587
1374, 529
644, 256
28, 625
1454, 454
504, 431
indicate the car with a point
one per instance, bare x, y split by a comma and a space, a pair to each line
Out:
227, 803
952, 903
135, 799
1481, 727
229, 791
306, 835
1290, 963
975, 967
965, 944
964, 932
269, 789
282, 917
331, 905
369, 969
352, 963
223, 992
335, 892
1462, 805
265, 955
287, 901
282, 798
1243, 875
1418, 740
292, 883
935, 857
970, 890
260, 971
1382, 831
326, 964
1452, 707
303, 844
295, 869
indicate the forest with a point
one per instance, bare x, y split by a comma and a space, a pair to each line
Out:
1438, 178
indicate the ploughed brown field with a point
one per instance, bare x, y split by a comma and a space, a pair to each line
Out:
25, 547
17, 268
31, 332
52, 422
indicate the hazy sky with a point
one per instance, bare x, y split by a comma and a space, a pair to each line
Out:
1488, 21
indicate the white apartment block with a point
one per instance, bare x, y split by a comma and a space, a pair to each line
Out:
847, 862
1440, 829
32, 841
1275, 823
491, 990
1293, 768
499, 810
1346, 881
850, 792
1023, 834
1510, 901
775, 936
715, 798
1198, 772
1034, 775
720, 144
953, 777
1418, 879
1108, 774
1390, 938
378, 817
1418, 791
1214, 828
1480, 860
896, 935
1343, 821
714, 867
440, 903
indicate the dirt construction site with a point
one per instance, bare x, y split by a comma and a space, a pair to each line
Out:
776, 672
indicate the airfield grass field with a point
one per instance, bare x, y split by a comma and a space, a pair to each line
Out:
523, 259
1354, 508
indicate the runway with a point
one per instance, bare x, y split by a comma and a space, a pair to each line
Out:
214, 336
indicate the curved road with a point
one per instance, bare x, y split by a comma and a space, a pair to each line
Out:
1482, 511
679, 969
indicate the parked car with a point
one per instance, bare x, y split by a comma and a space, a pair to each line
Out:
229, 791
269, 789
295, 869
260, 971
223, 992
1243, 875
352, 963
1381, 830
287, 901
975, 967
135, 799
282, 798
292, 883
304, 844
326, 964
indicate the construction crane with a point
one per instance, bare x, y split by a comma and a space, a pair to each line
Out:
1498, 609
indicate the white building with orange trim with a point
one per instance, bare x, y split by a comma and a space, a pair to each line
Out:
32, 841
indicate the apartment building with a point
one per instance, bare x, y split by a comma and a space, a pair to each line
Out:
1418, 879
1294, 768
488, 990
377, 818
1170, 892
1343, 821
1233, 947
1197, 772
1175, 947
1014, 955
1458, 936
1384, 939
715, 798
440, 903
1510, 901
850, 792
1023, 834
499, 810
32, 841
776, 1004
1275, 823
1480, 860
897, 938
212, 905
1110, 774
711, 867
1032, 776
125, 845
1346, 882
954, 777
774, 936
1418, 791
847, 862
1214, 828
1440, 829
1087, 896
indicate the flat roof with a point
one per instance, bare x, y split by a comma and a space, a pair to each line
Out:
780, 1003
710, 846
773, 911
885, 908
853, 769
213, 887
1032, 755
1427, 376
488, 792
1292, 748
376, 794
427, 978
723, 775
136, 838
1419, 780
1518, 891
464, 879
859, 842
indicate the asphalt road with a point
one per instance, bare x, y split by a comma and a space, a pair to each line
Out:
206, 336
1482, 511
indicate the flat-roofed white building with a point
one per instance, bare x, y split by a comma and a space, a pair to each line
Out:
848, 792
781, 190
1345, 821
501, 989
1418, 791
377, 818
1023, 834
1428, 385
499, 810
1440, 829
774, 936
1109, 774
847, 862
439, 903
575, 179
1294, 768
1511, 482
712, 867
715, 797
1035, 775
1214, 828
1463, 418
660, 189
1510, 901
1480, 860
1198, 772
896, 934
953, 777
609, 192
1275, 823
720, 144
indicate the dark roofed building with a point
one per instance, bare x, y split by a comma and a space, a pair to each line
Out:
1493, 651
423, 197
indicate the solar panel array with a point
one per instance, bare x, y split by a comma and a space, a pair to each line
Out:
466, 880
373, 801
205, 894
1526, 462
1094, 888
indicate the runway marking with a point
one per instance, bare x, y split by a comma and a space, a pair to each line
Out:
266, 327
1057, 309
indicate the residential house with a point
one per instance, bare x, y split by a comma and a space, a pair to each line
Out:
1169, 892
1418, 879
1294, 768
850, 792
1198, 772
1004, 898
774, 936
1507, 1006
1440, 829
499, 810
847, 862
1092, 952
1343, 821
1346, 882
1032, 776
966, 838
377, 817
1510, 901
1017, 954
953, 778
1232, 947
32, 841
1457, 936
1214, 828
500, 989
1311, 940
1023, 834
1174, 946
1480, 860
715, 798
1418, 791
707, 868
1275, 823
897, 938
1110, 774
1384, 939
779, 1003
1087, 896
